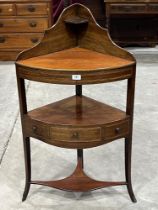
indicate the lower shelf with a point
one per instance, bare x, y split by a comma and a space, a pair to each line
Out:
78, 182
77, 122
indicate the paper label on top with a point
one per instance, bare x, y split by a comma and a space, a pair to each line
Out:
76, 77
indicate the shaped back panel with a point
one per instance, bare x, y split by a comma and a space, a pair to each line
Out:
76, 26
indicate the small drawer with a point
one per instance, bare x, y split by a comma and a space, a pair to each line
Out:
7, 9
23, 25
118, 130
40, 130
75, 134
19, 40
32, 9
153, 8
127, 8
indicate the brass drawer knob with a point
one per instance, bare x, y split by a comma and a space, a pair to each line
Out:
117, 130
1, 25
33, 24
2, 39
10, 10
31, 8
34, 128
34, 40
75, 135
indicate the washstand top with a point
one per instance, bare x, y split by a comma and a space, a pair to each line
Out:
75, 45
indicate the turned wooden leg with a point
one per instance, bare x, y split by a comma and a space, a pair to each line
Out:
128, 153
80, 157
27, 155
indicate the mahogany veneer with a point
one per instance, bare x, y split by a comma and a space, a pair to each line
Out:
76, 51
76, 122
75, 59
22, 23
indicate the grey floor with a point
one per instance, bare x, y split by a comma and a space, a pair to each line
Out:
105, 162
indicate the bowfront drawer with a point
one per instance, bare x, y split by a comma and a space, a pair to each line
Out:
117, 130
40, 130
127, 8
76, 137
75, 134
19, 40
7, 9
153, 8
32, 9
23, 25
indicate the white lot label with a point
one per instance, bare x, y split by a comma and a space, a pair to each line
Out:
76, 77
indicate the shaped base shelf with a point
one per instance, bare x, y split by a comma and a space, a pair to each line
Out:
78, 182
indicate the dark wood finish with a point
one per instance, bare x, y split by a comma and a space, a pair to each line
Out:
66, 78
76, 121
133, 22
27, 154
22, 24
78, 182
127, 8
76, 21
128, 140
79, 151
97, 8
75, 53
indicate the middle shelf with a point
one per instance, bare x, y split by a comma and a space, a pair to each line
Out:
77, 122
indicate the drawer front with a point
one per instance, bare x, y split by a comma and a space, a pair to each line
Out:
127, 8
76, 137
19, 40
9, 55
32, 9
39, 130
153, 8
7, 9
75, 134
118, 130
23, 25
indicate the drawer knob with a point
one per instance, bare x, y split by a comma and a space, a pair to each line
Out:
34, 40
34, 128
33, 24
31, 8
117, 130
10, 10
75, 135
127, 8
2, 39
1, 25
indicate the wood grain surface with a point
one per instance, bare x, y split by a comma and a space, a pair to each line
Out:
76, 59
76, 46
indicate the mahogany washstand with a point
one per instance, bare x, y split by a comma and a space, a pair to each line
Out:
76, 51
